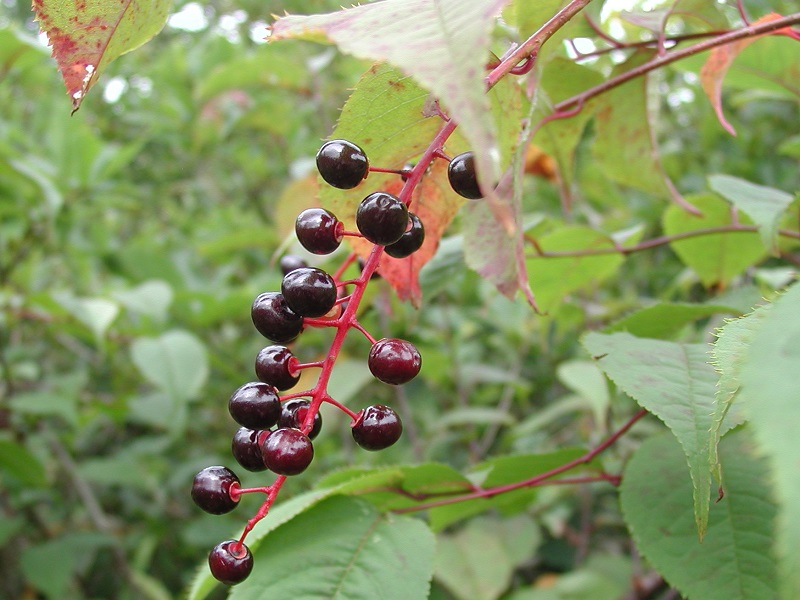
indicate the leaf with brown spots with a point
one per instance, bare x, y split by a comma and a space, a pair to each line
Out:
87, 35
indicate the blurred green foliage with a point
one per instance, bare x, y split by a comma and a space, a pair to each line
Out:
134, 235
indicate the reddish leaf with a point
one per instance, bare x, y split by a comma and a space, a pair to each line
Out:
435, 205
719, 61
86, 36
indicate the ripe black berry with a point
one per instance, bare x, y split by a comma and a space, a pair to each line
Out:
230, 562
246, 450
382, 218
318, 230
410, 241
342, 164
287, 451
211, 490
294, 415
274, 319
463, 179
290, 262
309, 292
274, 366
255, 405
377, 427
394, 361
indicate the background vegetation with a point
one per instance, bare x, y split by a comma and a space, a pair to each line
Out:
135, 234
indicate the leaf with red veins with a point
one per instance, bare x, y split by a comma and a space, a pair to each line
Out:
86, 35
719, 61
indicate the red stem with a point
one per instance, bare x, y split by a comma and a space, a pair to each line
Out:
670, 57
653, 242
538, 479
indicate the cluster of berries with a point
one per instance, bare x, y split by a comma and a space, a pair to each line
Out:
276, 430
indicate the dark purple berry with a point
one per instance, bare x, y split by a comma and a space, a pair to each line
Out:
230, 562
394, 361
382, 218
410, 241
287, 451
294, 415
211, 490
290, 262
246, 450
342, 164
274, 365
377, 427
274, 319
255, 405
318, 230
462, 177
309, 291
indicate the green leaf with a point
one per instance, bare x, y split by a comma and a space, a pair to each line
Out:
734, 561
764, 205
675, 383
728, 354
87, 36
587, 380
562, 79
9, 527
603, 577
623, 146
96, 313
443, 45
716, 257
16, 461
348, 551
149, 298
770, 394
175, 362
461, 563
554, 277
59, 402
50, 566
52, 195
666, 320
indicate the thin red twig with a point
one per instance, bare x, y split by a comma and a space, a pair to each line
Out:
538, 479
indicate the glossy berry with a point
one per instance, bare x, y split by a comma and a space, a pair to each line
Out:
342, 164
274, 319
309, 291
246, 450
377, 427
287, 451
211, 490
274, 366
290, 262
410, 241
394, 361
294, 415
382, 218
462, 177
230, 562
318, 230
255, 405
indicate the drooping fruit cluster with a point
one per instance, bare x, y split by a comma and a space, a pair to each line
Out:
276, 424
